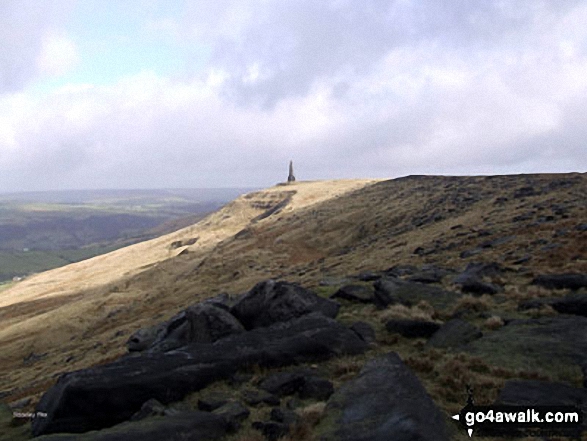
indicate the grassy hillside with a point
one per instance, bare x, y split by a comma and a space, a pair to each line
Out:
314, 233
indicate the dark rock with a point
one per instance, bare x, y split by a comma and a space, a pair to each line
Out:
412, 328
283, 383
355, 293
284, 416
480, 269
455, 333
426, 277
256, 397
234, 413
364, 330
386, 401
497, 242
271, 302
574, 303
212, 401
537, 303
581, 227
316, 388
368, 276
561, 281
524, 192
166, 336
524, 259
271, 430
150, 408
106, 395
193, 425
208, 323
401, 270
470, 253
389, 291
476, 286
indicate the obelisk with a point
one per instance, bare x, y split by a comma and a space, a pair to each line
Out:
291, 177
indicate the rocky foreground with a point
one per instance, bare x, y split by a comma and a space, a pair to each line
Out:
281, 331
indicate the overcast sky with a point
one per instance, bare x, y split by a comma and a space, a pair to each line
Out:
221, 93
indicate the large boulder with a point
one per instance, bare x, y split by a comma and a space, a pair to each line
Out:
208, 323
355, 293
270, 302
106, 395
386, 401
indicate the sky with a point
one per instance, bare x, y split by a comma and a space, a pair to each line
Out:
224, 93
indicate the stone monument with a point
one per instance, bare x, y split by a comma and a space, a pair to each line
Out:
291, 177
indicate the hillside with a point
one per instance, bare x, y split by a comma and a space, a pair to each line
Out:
317, 234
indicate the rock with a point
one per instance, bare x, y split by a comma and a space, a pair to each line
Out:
454, 333
256, 397
212, 401
475, 286
165, 336
581, 227
386, 401
550, 344
401, 270
192, 425
355, 293
561, 281
389, 291
364, 330
284, 416
524, 192
536, 303
478, 270
574, 303
150, 408
270, 302
470, 253
208, 323
271, 430
283, 383
316, 388
426, 277
368, 276
412, 328
105, 395
234, 413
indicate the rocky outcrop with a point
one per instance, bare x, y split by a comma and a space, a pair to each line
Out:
107, 395
271, 302
386, 401
355, 293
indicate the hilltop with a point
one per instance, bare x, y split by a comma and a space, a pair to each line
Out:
322, 236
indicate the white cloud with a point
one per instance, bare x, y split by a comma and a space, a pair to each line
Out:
58, 55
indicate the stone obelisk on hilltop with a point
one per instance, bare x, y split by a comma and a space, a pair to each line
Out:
291, 177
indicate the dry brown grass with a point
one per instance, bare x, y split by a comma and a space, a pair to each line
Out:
469, 303
422, 311
494, 322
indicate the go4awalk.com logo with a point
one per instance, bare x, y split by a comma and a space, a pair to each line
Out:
520, 421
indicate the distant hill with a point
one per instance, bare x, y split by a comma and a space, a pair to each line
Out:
44, 230
317, 234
